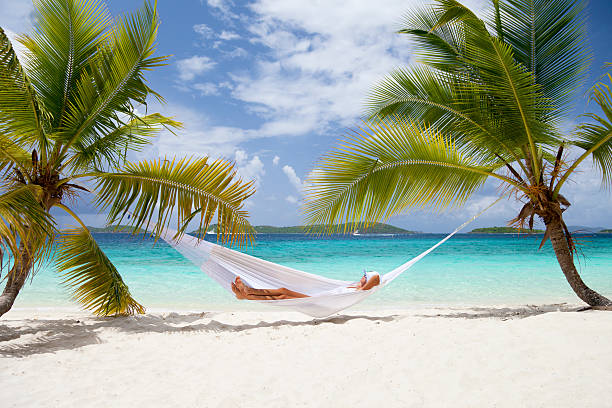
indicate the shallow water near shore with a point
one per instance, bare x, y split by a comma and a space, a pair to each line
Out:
470, 269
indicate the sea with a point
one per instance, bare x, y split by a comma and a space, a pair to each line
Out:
468, 270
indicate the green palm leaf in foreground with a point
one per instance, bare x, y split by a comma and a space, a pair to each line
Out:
482, 106
70, 115
24, 226
195, 187
390, 166
93, 279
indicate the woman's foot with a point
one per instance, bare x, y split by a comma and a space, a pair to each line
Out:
237, 292
241, 286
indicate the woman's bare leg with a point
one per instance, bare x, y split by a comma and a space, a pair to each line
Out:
265, 297
268, 294
247, 290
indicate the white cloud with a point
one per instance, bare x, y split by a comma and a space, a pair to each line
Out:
16, 18
200, 136
320, 65
204, 30
228, 35
291, 199
249, 169
223, 7
16, 15
237, 52
583, 191
194, 66
226, 84
207, 88
293, 178
275, 160
218, 39
317, 67
502, 212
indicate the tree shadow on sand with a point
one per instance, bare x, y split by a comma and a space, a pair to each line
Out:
47, 336
506, 313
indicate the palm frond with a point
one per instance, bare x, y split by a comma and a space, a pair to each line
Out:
26, 229
438, 45
549, 39
197, 189
437, 99
111, 148
94, 280
22, 116
388, 167
417, 92
67, 34
485, 84
596, 137
509, 89
116, 82
13, 156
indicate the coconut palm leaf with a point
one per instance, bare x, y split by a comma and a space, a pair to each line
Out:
196, 188
491, 90
435, 98
24, 224
517, 99
13, 156
549, 39
67, 35
22, 117
518, 103
596, 137
111, 148
94, 280
116, 82
439, 46
388, 167
70, 112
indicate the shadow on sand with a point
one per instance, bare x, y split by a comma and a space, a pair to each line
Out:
35, 336
505, 313
46, 336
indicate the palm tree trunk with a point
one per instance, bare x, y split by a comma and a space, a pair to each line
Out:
15, 280
566, 261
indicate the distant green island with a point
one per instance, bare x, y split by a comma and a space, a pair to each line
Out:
504, 230
117, 229
377, 228
605, 231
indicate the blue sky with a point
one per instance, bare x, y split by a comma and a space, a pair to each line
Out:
273, 85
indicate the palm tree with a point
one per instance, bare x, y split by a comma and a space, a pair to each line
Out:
486, 102
68, 119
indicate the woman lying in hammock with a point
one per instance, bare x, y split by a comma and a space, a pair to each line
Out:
242, 291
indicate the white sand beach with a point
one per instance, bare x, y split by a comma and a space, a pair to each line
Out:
482, 357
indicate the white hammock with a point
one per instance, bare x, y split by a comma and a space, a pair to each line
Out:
326, 296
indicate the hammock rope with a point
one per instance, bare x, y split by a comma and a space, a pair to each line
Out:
326, 296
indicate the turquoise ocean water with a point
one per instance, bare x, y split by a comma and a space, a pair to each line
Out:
470, 269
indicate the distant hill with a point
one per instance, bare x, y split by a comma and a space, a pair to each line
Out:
116, 229
605, 231
301, 229
504, 230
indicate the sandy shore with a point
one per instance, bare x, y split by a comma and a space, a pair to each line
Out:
487, 357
